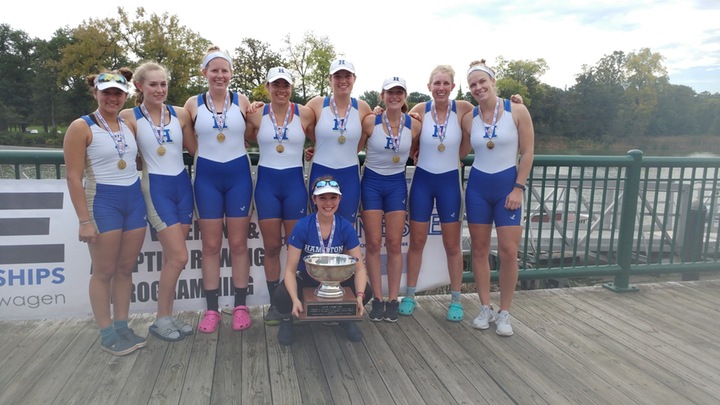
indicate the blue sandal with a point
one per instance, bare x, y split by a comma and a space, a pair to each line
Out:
455, 312
407, 306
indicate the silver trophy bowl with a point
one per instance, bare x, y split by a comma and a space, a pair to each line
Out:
330, 269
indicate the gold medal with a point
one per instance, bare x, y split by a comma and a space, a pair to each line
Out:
280, 148
122, 164
341, 139
221, 137
161, 150
441, 147
396, 159
490, 144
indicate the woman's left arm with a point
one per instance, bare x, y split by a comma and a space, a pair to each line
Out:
360, 277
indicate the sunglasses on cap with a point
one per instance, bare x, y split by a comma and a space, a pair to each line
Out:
323, 183
111, 77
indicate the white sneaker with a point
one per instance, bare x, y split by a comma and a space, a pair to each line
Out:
482, 321
502, 324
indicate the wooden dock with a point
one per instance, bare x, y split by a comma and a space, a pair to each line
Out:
571, 346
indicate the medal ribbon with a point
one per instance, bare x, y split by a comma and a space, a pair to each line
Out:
279, 131
158, 131
326, 249
441, 128
117, 137
395, 139
220, 121
341, 123
488, 134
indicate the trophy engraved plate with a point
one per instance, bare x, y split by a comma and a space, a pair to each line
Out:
329, 309
329, 301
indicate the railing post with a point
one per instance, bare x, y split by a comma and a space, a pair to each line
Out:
627, 224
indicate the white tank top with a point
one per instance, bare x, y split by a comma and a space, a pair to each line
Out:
505, 152
171, 162
233, 145
101, 158
380, 152
329, 151
430, 158
292, 143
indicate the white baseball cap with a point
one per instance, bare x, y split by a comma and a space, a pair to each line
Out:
279, 73
342, 64
394, 81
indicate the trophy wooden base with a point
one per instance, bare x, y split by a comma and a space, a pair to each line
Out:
329, 309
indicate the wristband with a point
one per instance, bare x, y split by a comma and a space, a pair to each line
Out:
520, 186
360, 294
85, 222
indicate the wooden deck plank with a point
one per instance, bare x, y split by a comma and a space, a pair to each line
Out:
338, 375
520, 354
669, 337
623, 341
578, 345
148, 362
439, 355
198, 384
620, 373
12, 333
170, 383
55, 375
254, 379
388, 368
488, 360
313, 386
32, 360
227, 386
285, 387
557, 364
415, 365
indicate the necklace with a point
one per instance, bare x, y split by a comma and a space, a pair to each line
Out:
489, 135
220, 120
280, 131
157, 131
340, 124
325, 248
441, 129
395, 139
117, 137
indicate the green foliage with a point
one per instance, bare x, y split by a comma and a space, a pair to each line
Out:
623, 99
251, 63
310, 59
371, 97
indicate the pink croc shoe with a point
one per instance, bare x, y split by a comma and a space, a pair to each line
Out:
210, 321
241, 318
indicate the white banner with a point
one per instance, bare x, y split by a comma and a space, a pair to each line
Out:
45, 270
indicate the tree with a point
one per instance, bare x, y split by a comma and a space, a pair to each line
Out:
47, 92
162, 39
645, 76
251, 63
16, 77
371, 97
415, 98
310, 59
595, 97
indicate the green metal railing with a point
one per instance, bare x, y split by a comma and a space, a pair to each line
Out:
584, 216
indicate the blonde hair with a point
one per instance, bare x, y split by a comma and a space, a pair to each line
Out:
141, 75
443, 69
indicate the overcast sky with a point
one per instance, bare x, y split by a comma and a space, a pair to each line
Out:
409, 38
